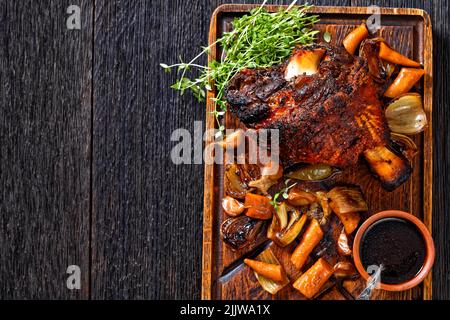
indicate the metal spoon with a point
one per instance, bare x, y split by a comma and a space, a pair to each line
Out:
372, 283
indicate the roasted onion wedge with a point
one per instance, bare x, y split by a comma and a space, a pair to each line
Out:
347, 199
405, 145
347, 202
390, 168
286, 225
298, 197
406, 115
237, 178
240, 232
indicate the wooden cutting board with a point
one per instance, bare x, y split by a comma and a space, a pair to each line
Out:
406, 30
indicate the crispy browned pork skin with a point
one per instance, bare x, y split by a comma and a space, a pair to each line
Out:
329, 116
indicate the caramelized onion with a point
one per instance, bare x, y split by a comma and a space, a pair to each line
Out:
323, 201
233, 181
286, 225
299, 197
405, 145
240, 232
237, 178
406, 115
347, 199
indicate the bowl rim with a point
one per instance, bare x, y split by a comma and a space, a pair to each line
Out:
429, 244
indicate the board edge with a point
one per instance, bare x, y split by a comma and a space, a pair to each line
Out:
208, 214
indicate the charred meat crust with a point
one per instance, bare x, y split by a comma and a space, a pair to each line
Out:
329, 117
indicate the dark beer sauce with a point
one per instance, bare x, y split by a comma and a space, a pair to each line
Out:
396, 244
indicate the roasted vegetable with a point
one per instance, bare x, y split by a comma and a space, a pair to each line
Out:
378, 69
270, 271
267, 284
343, 246
232, 207
405, 145
237, 177
314, 172
282, 215
388, 54
240, 232
350, 220
346, 202
286, 225
354, 38
405, 80
390, 168
347, 199
258, 207
311, 281
326, 210
406, 115
304, 61
310, 239
270, 173
345, 269
233, 181
298, 197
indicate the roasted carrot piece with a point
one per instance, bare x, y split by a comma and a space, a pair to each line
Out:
258, 207
309, 241
350, 220
390, 55
271, 271
405, 80
354, 38
312, 280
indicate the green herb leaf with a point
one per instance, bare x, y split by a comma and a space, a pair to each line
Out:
259, 39
327, 37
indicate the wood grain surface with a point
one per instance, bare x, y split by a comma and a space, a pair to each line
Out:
146, 212
45, 113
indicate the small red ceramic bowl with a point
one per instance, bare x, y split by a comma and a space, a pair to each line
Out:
429, 244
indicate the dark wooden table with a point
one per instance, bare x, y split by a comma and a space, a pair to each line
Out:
86, 178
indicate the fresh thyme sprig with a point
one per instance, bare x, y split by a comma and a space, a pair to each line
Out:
260, 39
283, 192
